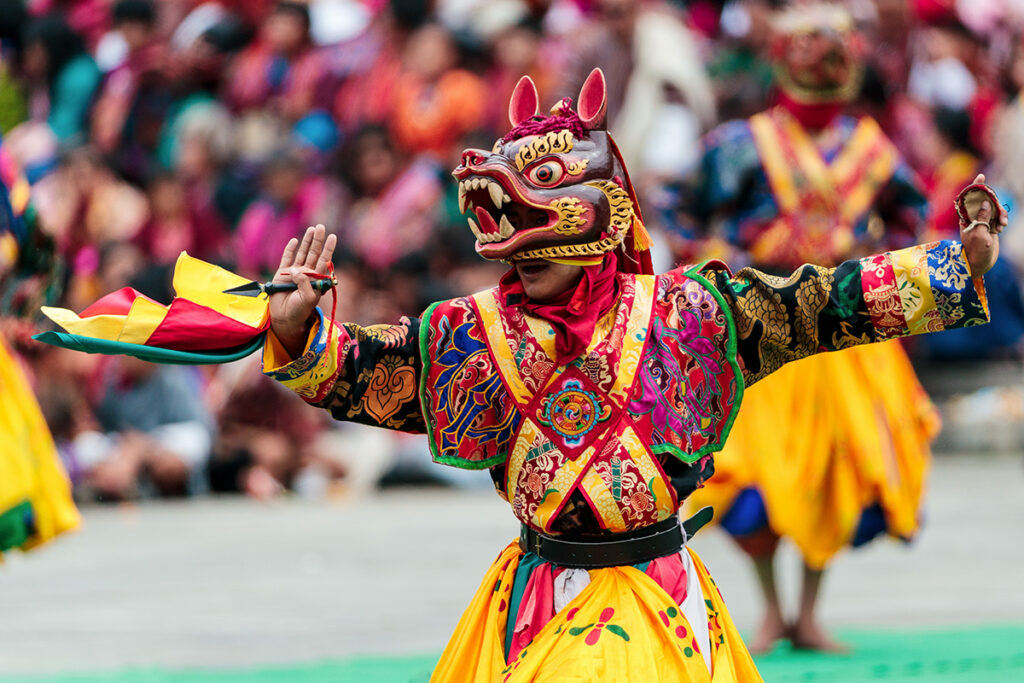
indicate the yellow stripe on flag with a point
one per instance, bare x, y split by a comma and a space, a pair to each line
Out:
97, 326
205, 283
143, 319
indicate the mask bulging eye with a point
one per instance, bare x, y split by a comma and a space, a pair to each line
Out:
546, 174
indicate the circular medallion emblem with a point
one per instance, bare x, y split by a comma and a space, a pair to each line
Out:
573, 412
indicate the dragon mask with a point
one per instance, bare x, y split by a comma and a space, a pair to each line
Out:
818, 53
554, 187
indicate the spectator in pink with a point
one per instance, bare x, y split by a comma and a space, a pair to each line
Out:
176, 224
394, 211
291, 201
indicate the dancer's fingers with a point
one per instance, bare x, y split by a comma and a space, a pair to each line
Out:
985, 212
979, 179
326, 254
307, 240
288, 257
316, 246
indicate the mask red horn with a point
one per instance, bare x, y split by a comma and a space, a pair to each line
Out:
524, 104
593, 101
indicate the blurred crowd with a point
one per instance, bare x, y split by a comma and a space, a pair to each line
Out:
223, 128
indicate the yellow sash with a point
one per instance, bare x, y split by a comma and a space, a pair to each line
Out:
819, 202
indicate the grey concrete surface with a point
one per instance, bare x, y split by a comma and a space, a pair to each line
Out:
232, 582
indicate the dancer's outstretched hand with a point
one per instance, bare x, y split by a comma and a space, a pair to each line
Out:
981, 236
291, 313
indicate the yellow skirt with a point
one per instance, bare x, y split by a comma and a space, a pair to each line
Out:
824, 438
35, 494
621, 627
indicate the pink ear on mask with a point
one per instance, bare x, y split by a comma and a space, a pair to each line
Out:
524, 104
593, 100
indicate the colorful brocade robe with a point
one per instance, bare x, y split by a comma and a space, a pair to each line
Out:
781, 197
618, 438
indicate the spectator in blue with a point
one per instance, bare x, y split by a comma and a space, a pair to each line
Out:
63, 75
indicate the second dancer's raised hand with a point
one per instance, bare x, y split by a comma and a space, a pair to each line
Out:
291, 313
980, 237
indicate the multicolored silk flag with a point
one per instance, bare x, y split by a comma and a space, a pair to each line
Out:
201, 325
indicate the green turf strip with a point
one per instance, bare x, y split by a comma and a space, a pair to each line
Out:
990, 654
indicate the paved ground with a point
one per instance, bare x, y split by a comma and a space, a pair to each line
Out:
229, 583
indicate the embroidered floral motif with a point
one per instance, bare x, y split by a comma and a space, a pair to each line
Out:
594, 629
685, 386
391, 385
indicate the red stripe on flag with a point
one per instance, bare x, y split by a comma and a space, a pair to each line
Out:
189, 326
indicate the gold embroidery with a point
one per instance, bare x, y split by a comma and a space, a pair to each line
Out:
554, 142
391, 385
570, 215
577, 167
811, 298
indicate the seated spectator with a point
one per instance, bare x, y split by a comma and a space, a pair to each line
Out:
268, 441
152, 431
957, 162
282, 70
368, 67
83, 205
135, 99
63, 76
952, 162
518, 51
88, 18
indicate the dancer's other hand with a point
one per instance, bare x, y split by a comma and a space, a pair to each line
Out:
291, 313
981, 246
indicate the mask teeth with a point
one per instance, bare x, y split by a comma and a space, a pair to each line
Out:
475, 229
505, 228
496, 192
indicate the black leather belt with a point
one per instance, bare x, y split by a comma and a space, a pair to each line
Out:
614, 550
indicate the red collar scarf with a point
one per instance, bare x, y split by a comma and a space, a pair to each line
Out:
573, 314
815, 116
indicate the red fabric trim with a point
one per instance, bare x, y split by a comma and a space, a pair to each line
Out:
536, 609
814, 116
882, 296
669, 573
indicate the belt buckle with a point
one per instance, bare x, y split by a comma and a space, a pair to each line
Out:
530, 540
